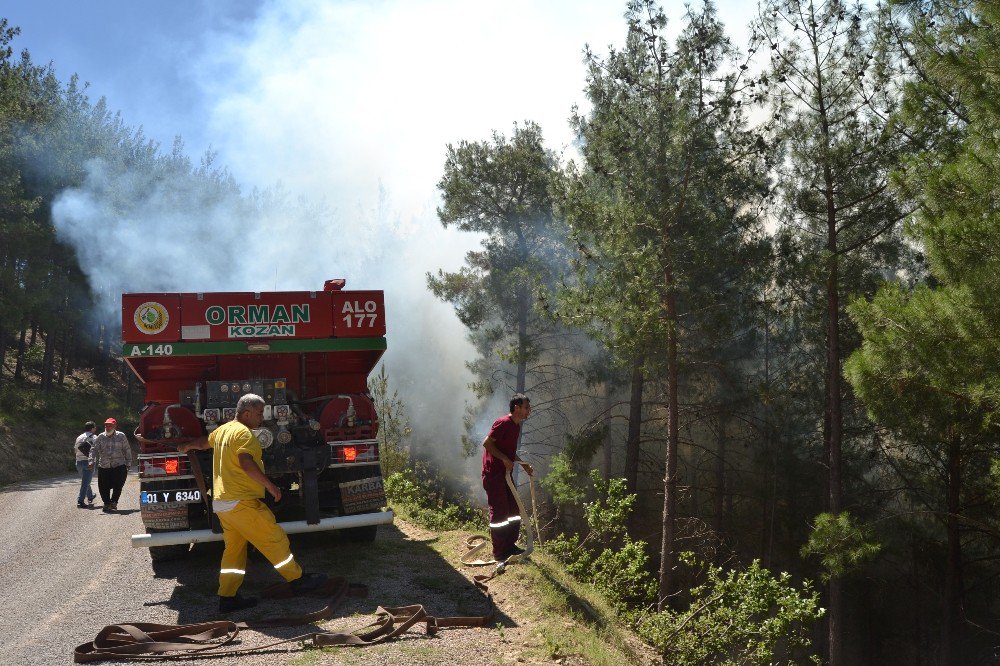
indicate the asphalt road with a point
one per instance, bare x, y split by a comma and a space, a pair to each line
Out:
65, 573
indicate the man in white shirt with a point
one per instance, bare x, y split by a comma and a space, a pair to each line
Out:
84, 465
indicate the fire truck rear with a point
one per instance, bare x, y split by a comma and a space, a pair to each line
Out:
308, 354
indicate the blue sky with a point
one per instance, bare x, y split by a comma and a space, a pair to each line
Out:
137, 53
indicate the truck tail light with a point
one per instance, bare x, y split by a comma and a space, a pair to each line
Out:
354, 452
162, 465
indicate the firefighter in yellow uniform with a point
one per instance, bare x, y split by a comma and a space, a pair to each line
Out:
237, 498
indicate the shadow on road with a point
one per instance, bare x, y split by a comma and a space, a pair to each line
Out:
397, 570
50, 482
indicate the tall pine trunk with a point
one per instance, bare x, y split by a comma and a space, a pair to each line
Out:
523, 310
606, 448
951, 621
48, 360
833, 412
19, 362
834, 432
64, 357
720, 509
522, 343
668, 556
634, 427
3, 351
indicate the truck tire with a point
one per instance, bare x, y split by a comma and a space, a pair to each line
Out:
167, 553
364, 534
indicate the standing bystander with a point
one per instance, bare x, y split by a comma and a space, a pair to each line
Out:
84, 465
499, 455
112, 456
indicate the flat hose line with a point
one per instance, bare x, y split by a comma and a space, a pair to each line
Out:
143, 641
477, 542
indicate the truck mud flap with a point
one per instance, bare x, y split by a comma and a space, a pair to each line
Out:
213, 520
310, 495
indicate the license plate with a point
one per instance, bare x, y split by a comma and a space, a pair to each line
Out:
167, 496
362, 495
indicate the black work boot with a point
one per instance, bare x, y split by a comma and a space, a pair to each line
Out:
235, 603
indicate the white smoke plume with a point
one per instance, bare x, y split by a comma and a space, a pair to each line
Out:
349, 106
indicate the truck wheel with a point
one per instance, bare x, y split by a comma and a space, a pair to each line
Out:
167, 553
364, 534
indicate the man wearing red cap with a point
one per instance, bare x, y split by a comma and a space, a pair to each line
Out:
112, 456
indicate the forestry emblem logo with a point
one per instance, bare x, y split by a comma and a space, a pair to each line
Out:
151, 318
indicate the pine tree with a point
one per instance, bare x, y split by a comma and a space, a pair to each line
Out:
500, 188
928, 370
658, 207
830, 78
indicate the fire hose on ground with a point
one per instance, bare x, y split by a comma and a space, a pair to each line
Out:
143, 641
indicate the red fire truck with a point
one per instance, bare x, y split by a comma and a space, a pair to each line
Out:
308, 354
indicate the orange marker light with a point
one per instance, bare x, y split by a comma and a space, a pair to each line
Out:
350, 453
170, 466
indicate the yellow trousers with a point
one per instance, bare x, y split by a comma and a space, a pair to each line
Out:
251, 521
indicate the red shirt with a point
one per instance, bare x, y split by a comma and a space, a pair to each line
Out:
505, 432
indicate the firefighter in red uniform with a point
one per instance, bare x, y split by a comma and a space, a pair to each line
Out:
499, 455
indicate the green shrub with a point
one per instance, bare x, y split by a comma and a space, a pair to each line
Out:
607, 558
622, 575
394, 423
736, 617
563, 483
607, 516
569, 551
424, 499
841, 545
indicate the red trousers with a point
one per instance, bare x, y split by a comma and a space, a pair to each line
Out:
505, 516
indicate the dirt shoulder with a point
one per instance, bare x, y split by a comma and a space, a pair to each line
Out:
65, 573
539, 618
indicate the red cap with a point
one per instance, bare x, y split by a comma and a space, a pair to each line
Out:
111, 422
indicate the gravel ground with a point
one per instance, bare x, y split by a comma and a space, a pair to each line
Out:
66, 572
